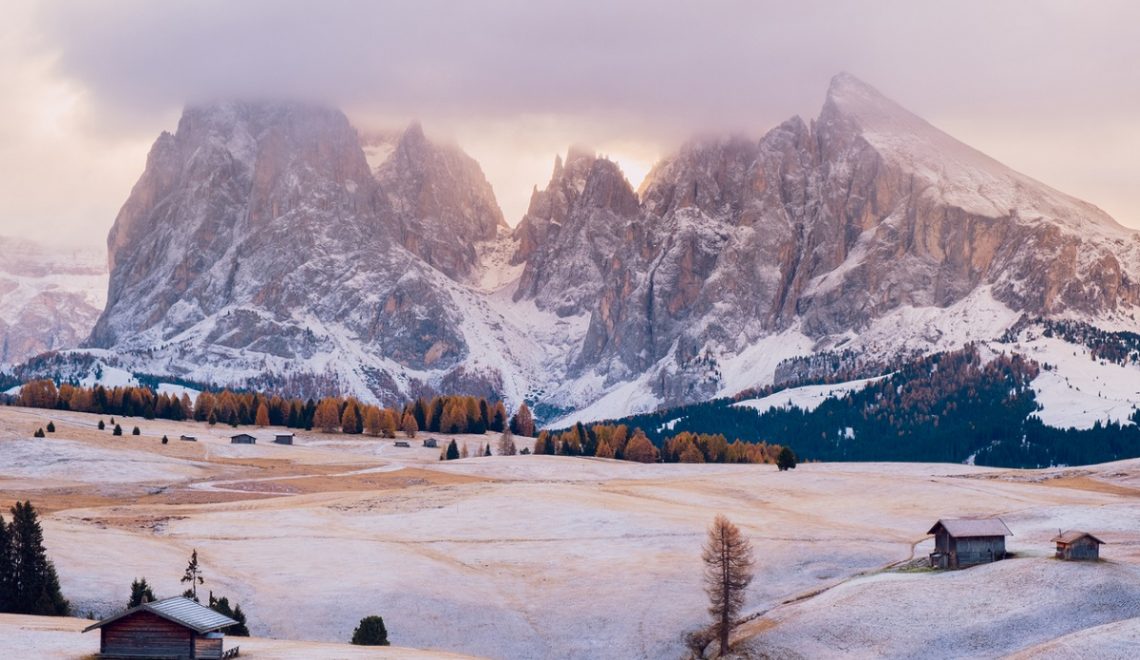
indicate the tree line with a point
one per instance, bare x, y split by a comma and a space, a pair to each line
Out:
615, 441
439, 414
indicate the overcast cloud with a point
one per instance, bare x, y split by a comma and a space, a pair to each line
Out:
1047, 87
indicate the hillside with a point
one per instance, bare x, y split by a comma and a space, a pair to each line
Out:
514, 556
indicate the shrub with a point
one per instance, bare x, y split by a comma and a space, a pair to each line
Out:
136, 431
51, 427
102, 425
370, 632
786, 460
165, 439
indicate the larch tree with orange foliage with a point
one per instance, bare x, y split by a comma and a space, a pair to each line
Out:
728, 572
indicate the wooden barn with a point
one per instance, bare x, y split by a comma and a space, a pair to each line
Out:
962, 542
283, 439
242, 439
1078, 546
173, 628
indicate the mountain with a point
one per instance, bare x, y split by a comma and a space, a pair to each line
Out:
49, 298
271, 245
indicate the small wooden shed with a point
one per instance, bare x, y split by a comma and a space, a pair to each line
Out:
283, 439
402, 443
173, 628
242, 439
1075, 545
431, 442
188, 438
962, 542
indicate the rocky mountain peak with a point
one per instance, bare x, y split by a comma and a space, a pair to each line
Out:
439, 200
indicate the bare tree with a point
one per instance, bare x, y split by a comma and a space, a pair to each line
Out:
507, 444
728, 572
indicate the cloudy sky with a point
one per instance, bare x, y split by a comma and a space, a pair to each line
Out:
1051, 88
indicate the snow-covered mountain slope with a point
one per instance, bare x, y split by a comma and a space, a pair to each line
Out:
271, 245
49, 298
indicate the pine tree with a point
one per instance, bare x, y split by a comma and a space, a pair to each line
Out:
51, 427
463, 451
193, 575
118, 430
222, 606
452, 450
498, 418
140, 593
487, 449
34, 583
212, 419
135, 431
102, 425
262, 417
7, 569
370, 632
165, 439
39, 433
604, 450
728, 572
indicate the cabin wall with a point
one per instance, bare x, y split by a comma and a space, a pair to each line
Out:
207, 648
144, 633
977, 549
1079, 550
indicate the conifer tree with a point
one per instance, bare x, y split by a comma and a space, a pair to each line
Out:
604, 450
136, 431
409, 426
262, 417
487, 449
349, 419
463, 452
118, 430
34, 585
728, 572
786, 460
193, 576
51, 427
640, 449
140, 593
102, 425
452, 450
327, 415
388, 423
498, 417
523, 422
370, 632
507, 444
7, 569
372, 424
39, 433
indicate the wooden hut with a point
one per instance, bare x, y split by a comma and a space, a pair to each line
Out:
188, 438
283, 439
431, 442
402, 443
242, 439
962, 542
173, 628
1074, 545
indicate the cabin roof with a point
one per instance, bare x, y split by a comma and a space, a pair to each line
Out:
1074, 535
282, 435
243, 435
967, 527
182, 611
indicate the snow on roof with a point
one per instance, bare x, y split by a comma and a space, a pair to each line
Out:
1073, 535
182, 611
965, 527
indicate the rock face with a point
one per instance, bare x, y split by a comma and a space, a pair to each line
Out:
271, 245
49, 298
259, 242
824, 230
